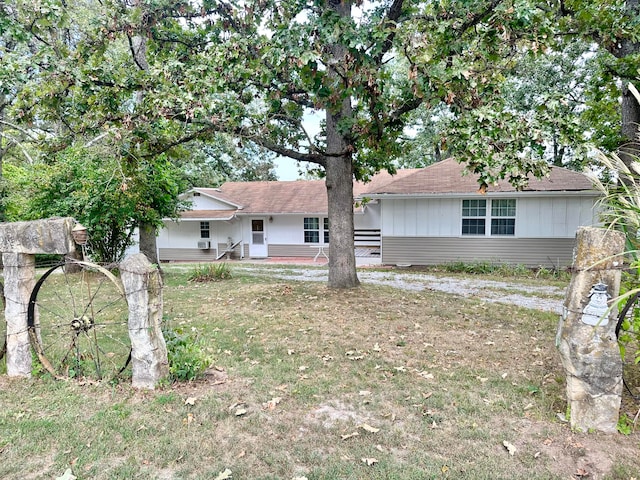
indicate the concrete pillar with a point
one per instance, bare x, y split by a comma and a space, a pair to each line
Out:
143, 288
19, 280
586, 334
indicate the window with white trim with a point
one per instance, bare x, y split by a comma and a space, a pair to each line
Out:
499, 214
313, 231
503, 217
474, 214
205, 229
326, 230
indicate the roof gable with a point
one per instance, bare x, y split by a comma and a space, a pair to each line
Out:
215, 194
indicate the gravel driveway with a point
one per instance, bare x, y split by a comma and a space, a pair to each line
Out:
546, 298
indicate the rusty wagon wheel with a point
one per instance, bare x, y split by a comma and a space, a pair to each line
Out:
77, 319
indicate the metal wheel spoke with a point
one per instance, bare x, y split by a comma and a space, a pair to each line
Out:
77, 321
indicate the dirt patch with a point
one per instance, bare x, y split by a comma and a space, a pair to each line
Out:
330, 414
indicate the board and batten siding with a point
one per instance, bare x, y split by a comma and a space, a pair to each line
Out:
532, 252
429, 231
442, 217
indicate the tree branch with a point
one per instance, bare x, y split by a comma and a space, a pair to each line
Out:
478, 17
392, 17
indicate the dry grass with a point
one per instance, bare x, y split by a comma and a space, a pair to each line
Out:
302, 373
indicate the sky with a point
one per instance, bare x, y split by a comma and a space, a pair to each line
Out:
287, 168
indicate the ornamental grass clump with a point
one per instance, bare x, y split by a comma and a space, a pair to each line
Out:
619, 183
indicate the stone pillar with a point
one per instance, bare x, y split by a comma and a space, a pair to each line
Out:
19, 242
19, 280
143, 287
586, 333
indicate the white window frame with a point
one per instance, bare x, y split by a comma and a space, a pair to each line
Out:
322, 230
311, 227
501, 210
488, 212
205, 230
325, 228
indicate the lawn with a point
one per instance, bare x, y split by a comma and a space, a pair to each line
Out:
307, 382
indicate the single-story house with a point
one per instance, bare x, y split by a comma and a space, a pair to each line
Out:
424, 216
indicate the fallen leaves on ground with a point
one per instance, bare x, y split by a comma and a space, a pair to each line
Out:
368, 428
67, 475
238, 409
188, 420
271, 404
225, 475
510, 447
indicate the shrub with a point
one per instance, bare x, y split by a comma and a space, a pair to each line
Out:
210, 272
188, 358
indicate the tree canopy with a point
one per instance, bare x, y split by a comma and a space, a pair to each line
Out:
156, 74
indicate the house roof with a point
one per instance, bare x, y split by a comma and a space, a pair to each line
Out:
310, 196
381, 179
446, 177
272, 197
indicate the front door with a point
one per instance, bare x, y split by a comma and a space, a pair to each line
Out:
258, 243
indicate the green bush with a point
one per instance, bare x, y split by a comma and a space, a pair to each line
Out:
503, 269
188, 358
210, 272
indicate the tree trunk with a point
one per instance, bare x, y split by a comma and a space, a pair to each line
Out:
148, 244
339, 181
630, 149
342, 257
339, 170
630, 109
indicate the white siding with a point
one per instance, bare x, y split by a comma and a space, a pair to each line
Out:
186, 234
287, 229
421, 217
557, 217
369, 218
203, 202
540, 217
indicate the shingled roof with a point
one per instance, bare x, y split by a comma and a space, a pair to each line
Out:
446, 177
310, 196
302, 196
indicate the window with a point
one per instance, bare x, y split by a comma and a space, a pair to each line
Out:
204, 230
311, 230
473, 217
326, 230
500, 214
503, 217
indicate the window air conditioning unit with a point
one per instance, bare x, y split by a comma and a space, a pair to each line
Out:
204, 245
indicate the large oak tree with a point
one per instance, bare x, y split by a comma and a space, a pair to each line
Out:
254, 69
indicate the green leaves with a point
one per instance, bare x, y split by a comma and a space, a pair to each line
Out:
188, 358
